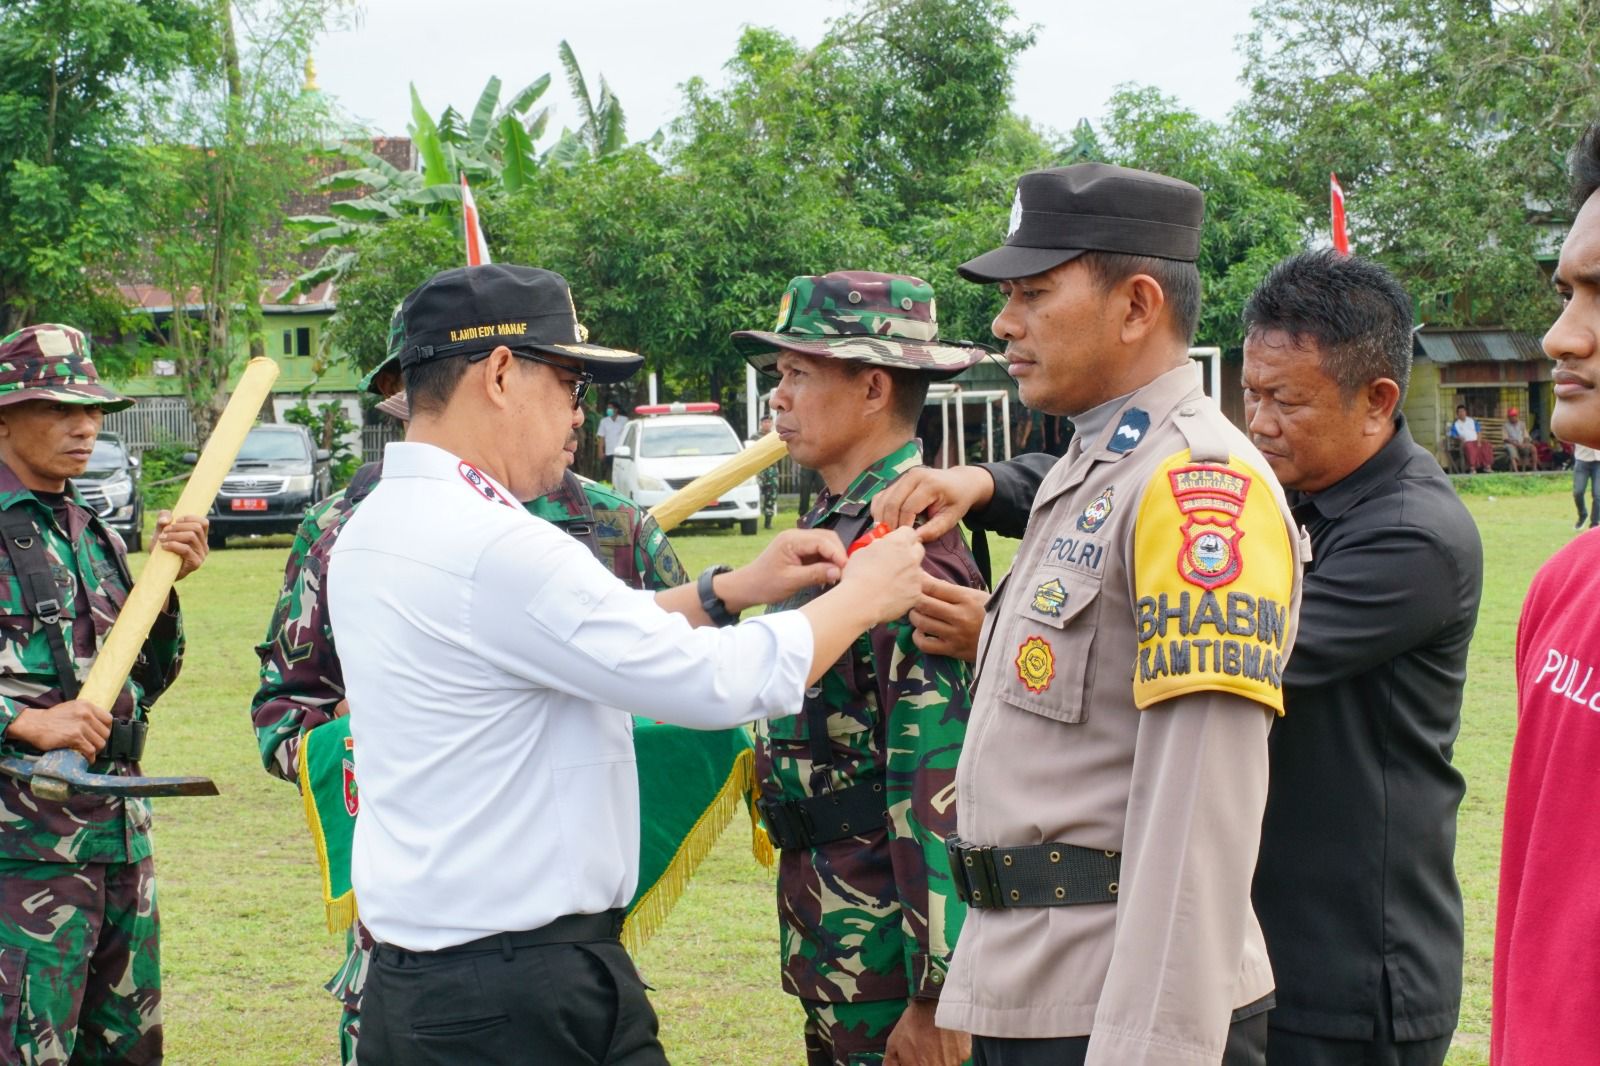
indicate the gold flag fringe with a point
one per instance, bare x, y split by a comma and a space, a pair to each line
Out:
341, 911
656, 904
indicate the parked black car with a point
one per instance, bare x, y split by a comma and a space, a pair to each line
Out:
111, 489
279, 473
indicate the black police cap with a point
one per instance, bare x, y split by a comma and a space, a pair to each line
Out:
1059, 214
473, 310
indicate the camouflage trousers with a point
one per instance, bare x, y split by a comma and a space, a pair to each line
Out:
80, 964
769, 497
849, 1034
346, 986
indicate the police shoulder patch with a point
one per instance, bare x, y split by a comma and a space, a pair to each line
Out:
1214, 578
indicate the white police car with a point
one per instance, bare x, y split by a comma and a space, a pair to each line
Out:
666, 446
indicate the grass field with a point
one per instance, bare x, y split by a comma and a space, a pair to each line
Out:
246, 950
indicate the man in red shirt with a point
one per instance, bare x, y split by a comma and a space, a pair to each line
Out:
1546, 968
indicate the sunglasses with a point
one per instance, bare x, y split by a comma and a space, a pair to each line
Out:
578, 387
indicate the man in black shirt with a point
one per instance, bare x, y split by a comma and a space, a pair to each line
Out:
1356, 887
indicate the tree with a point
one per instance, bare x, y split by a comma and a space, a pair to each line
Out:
1447, 122
73, 184
239, 146
495, 149
1249, 224
604, 129
394, 259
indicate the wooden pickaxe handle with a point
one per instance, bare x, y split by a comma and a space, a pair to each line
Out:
54, 774
708, 486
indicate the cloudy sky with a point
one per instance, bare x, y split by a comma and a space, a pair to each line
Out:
647, 48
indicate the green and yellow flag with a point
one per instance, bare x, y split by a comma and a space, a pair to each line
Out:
691, 784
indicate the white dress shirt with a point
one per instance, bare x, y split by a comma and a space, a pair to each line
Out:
611, 431
486, 654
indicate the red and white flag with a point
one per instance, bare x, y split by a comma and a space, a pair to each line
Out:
1341, 240
477, 247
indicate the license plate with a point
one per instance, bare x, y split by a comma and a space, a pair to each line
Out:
249, 505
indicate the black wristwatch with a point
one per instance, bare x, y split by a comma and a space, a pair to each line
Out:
710, 602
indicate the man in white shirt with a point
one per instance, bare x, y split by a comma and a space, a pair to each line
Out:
1475, 452
1519, 446
611, 427
486, 654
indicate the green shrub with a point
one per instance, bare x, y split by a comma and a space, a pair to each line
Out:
162, 463
345, 460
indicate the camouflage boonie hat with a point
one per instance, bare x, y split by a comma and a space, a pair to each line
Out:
51, 362
397, 406
397, 341
882, 319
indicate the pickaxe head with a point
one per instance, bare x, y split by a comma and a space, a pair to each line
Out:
55, 775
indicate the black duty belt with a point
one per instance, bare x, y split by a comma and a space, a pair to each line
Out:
830, 816
569, 929
126, 741
1032, 875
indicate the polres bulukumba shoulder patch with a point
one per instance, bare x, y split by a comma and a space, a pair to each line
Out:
1214, 571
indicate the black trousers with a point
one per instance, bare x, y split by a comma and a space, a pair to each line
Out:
501, 1001
1247, 1046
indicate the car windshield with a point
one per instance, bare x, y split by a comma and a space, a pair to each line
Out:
260, 447
660, 442
108, 455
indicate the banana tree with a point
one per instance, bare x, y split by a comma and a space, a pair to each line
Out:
494, 147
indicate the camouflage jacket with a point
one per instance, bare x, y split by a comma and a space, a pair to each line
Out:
88, 560
876, 917
301, 681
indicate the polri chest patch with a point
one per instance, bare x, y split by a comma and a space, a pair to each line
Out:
1094, 516
1049, 597
1036, 664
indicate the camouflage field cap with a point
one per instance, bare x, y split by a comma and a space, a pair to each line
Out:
397, 342
883, 319
51, 362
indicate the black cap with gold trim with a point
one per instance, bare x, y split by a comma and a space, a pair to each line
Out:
473, 310
1059, 214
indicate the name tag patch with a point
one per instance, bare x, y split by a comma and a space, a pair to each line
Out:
1036, 664
1078, 553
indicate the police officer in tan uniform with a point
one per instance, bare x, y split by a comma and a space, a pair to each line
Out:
1115, 771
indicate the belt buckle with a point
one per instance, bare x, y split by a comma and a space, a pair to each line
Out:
976, 867
770, 812
958, 872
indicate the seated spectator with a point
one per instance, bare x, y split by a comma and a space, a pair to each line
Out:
1476, 451
1519, 446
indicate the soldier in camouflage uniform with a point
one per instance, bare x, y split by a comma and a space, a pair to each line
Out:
858, 789
79, 948
302, 685
768, 478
